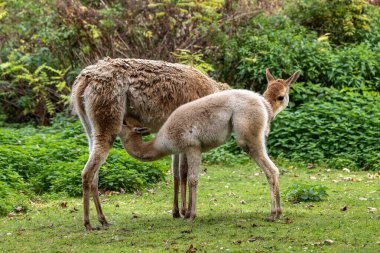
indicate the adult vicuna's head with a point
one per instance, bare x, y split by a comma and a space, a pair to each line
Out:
277, 92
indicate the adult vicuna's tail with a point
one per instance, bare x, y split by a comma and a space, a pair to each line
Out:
76, 100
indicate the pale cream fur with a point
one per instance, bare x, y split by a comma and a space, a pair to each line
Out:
207, 123
106, 92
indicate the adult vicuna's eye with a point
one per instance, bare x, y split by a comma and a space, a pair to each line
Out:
280, 98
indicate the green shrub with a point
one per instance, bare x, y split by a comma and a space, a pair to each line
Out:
344, 20
338, 128
51, 159
304, 193
284, 46
13, 191
31, 93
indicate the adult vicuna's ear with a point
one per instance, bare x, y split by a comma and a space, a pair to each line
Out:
141, 130
269, 76
293, 78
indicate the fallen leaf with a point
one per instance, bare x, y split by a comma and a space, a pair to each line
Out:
311, 166
313, 178
362, 198
18, 209
237, 242
346, 170
336, 181
328, 242
242, 202
63, 204
371, 209
343, 209
151, 191
309, 206
138, 193
191, 249
10, 215
257, 174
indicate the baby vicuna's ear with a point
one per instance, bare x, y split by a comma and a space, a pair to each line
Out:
293, 78
141, 130
269, 76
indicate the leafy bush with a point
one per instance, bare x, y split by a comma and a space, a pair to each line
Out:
28, 92
284, 46
51, 160
12, 191
303, 193
339, 128
344, 20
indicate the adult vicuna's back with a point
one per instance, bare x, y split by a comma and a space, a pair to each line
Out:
104, 93
208, 122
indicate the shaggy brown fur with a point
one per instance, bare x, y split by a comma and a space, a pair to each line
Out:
207, 123
104, 93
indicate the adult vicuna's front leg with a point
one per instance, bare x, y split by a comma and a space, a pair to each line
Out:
99, 153
193, 156
257, 151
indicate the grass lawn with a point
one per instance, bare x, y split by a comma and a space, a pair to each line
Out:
233, 203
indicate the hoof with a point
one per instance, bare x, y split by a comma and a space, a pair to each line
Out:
106, 224
89, 228
187, 215
183, 212
176, 214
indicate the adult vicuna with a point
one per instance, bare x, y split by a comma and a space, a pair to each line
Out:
208, 122
106, 92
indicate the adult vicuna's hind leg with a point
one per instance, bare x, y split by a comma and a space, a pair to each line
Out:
257, 150
101, 146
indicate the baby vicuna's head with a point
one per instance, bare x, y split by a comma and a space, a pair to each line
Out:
132, 128
277, 92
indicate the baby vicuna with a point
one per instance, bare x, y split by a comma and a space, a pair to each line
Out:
207, 123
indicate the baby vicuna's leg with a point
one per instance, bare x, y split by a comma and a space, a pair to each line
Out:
250, 135
175, 170
257, 151
193, 156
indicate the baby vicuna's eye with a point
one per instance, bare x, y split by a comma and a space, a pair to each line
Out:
280, 98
